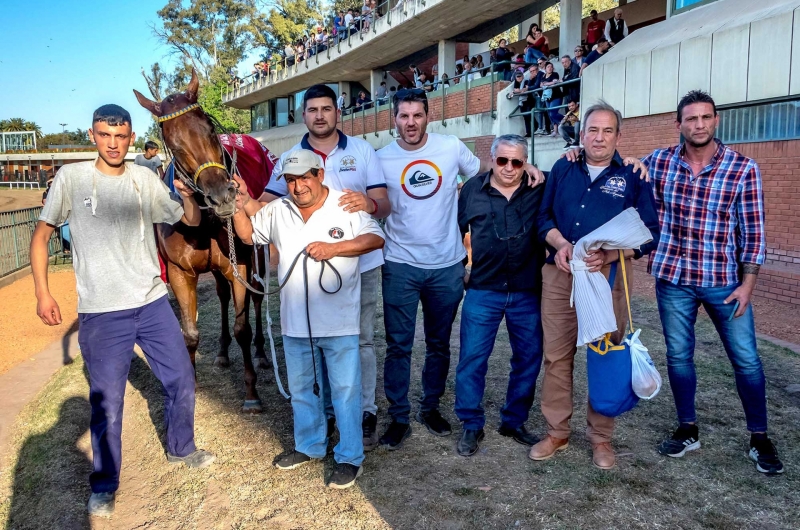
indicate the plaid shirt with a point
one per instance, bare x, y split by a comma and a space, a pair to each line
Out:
711, 223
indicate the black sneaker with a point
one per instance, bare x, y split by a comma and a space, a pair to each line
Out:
344, 476
369, 431
470, 442
101, 504
395, 435
293, 460
764, 454
685, 438
197, 460
434, 422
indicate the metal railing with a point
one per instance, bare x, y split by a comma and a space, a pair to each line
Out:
20, 184
16, 230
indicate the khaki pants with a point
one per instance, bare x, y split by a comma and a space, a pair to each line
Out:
560, 326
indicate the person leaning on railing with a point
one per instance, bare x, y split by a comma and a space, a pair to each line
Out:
551, 95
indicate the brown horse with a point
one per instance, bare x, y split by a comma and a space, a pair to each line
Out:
189, 251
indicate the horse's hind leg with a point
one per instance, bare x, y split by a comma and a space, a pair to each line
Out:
224, 295
184, 285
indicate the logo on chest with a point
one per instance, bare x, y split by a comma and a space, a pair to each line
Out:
421, 179
336, 233
347, 163
614, 186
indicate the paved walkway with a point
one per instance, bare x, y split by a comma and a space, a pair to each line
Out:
21, 384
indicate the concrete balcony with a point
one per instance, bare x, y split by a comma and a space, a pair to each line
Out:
412, 27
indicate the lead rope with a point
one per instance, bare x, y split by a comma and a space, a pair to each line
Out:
281, 285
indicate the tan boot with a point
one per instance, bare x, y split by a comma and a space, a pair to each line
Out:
603, 456
547, 448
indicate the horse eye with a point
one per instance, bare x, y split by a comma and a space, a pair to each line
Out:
170, 99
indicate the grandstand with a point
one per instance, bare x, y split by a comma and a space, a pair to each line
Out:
742, 52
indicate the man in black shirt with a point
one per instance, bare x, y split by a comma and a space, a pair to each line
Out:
499, 210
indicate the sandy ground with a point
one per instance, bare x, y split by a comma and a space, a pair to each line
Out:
16, 199
22, 333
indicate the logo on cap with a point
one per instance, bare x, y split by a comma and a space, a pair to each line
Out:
336, 233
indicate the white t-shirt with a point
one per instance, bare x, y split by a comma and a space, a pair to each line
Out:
332, 315
348, 19
422, 229
352, 165
111, 224
594, 171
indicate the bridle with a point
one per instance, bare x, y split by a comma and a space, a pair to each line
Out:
190, 178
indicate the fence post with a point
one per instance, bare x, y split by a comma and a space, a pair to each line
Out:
375, 108
444, 104
14, 237
492, 103
466, 99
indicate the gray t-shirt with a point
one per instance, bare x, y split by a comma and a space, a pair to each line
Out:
113, 248
154, 163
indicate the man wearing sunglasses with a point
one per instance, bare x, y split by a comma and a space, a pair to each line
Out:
499, 211
424, 257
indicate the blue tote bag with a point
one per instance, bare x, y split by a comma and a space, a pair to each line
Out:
608, 366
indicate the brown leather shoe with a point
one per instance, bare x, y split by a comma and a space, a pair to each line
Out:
547, 448
603, 456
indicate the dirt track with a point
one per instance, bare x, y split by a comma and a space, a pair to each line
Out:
22, 333
16, 199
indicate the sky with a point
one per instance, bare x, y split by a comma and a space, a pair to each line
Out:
61, 59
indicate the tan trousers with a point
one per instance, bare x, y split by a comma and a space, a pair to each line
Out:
560, 325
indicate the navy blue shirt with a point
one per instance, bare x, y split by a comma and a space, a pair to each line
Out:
576, 206
593, 56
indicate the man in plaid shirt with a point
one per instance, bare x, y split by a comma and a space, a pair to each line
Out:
712, 245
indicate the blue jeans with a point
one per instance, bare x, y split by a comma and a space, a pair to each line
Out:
481, 315
678, 306
555, 114
344, 380
532, 55
440, 291
107, 341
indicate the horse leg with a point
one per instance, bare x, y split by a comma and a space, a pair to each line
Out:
258, 299
224, 295
184, 285
243, 334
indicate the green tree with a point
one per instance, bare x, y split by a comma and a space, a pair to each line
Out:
289, 20
511, 35
211, 33
210, 98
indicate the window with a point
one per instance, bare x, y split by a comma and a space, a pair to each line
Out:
681, 6
760, 123
259, 117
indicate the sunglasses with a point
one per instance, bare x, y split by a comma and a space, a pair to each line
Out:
515, 162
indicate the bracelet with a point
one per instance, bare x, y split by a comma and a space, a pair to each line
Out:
376, 205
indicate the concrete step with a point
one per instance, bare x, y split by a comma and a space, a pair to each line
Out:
546, 151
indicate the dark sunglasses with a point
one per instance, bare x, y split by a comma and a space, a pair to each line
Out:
515, 162
506, 238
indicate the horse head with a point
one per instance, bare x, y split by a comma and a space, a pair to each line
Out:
189, 134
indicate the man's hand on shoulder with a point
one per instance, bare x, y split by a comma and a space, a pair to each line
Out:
637, 167
535, 175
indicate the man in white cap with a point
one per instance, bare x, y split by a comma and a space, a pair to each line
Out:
319, 317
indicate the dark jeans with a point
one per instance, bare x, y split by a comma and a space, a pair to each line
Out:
107, 341
481, 315
555, 114
440, 291
678, 306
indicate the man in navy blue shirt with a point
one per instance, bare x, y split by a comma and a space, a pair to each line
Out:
601, 49
579, 198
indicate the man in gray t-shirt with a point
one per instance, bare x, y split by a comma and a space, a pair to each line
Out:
111, 207
150, 158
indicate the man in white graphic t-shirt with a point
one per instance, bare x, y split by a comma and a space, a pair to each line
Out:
424, 258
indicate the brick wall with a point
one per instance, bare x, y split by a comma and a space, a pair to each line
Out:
779, 161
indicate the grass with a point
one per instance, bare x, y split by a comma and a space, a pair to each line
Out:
426, 485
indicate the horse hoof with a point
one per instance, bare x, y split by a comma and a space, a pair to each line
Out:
222, 362
252, 406
263, 364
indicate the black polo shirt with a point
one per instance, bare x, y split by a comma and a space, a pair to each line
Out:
576, 206
501, 261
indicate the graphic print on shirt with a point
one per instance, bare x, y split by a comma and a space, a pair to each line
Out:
421, 179
614, 186
336, 233
347, 163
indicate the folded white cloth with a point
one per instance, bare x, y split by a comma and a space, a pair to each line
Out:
591, 293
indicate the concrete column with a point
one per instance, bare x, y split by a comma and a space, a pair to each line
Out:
569, 34
447, 58
375, 79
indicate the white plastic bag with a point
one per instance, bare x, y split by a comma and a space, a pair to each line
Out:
645, 379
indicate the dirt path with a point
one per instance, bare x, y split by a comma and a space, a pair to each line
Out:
22, 333
16, 199
425, 484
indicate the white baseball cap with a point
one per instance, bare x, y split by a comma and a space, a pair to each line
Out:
299, 162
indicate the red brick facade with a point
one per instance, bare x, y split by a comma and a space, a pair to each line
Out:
780, 275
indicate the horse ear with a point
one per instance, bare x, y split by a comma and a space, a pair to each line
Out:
152, 106
191, 90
